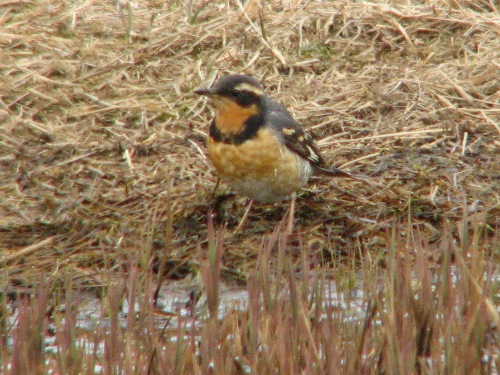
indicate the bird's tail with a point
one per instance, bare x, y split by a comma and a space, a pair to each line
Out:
333, 172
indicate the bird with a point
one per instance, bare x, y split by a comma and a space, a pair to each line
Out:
257, 147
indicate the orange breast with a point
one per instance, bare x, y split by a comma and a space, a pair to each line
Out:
261, 168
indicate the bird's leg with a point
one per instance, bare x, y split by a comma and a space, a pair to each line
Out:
215, 190
291, 215
245, 216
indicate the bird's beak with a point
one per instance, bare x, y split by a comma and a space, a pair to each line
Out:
204, 91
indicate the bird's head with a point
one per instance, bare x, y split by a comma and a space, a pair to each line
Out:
236, 89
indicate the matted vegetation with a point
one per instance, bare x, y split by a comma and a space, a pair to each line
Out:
103, 166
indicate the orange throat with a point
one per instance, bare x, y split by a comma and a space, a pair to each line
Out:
230, 118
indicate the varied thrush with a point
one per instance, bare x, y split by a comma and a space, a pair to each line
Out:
255, 144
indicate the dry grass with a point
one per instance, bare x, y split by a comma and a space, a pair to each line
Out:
416, 317
102, 141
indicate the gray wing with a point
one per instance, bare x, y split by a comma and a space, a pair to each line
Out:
292, 134
296, 139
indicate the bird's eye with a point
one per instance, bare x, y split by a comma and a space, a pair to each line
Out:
242, 97
235, 94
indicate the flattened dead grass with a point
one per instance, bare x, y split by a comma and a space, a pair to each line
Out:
102, 141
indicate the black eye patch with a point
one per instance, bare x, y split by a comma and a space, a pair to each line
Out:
244, 98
